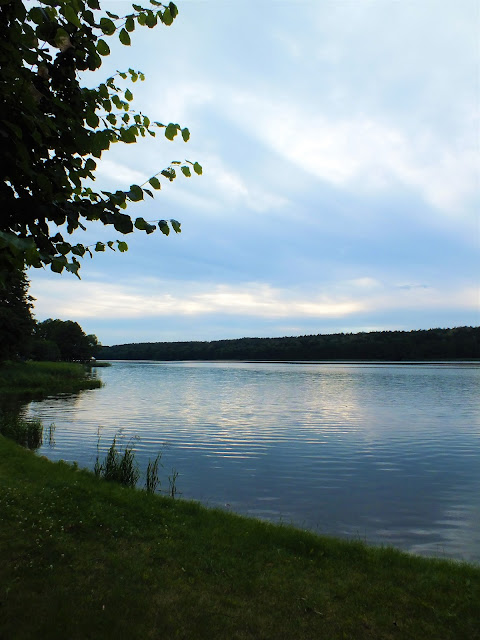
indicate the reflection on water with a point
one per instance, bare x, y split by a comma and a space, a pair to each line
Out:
387, 453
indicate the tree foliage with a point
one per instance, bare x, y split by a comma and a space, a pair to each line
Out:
63, 340
16, 321
433, 344
53, 130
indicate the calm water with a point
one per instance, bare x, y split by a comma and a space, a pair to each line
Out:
386, 453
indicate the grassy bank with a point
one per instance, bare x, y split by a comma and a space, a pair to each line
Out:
85, 558
44, 378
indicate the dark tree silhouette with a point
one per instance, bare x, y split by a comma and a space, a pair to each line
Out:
16, 321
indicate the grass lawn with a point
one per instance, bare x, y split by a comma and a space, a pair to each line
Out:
85, 558
37, 379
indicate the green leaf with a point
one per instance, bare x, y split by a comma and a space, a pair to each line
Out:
198, 169
151, 19
102, 88
123, 223
185, 134
71, 15
176, 226
107, 26
163, 226
103, 48
92, 119
35, 14
186, 171
171, 131
78, 250
99, 246
62, 39
90, 164
58, 264
169, 173
129, 135
128, 95
130, 24
167, 17
118, 197
135, 194
140, 224
63, 248
112, 15
124, 37
73, 267
30, 57
117, 102
155, 183
122, 246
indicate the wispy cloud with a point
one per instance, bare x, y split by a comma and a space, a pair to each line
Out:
363, 152
155, 298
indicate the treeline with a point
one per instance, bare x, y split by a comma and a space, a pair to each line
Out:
431, 344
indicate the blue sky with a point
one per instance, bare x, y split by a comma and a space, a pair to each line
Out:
340, 147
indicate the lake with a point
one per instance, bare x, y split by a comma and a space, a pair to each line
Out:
386, 453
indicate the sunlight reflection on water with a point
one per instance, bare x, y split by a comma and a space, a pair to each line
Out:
387, 453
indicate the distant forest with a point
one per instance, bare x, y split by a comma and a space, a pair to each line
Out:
431, 344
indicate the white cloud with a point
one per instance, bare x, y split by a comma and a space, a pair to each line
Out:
233, 189
95, 299
363, 152
181, 100
154, 298
119, 173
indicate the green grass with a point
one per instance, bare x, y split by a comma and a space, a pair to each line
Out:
84, 558
39, 379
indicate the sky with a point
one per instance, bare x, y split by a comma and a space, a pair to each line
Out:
340, 192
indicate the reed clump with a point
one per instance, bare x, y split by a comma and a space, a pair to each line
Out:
118, 466
152, 481
27, 432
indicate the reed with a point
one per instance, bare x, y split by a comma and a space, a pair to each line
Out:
118, 466
172, 483
27, 432
152, 480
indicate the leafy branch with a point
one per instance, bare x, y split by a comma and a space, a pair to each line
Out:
53, 130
